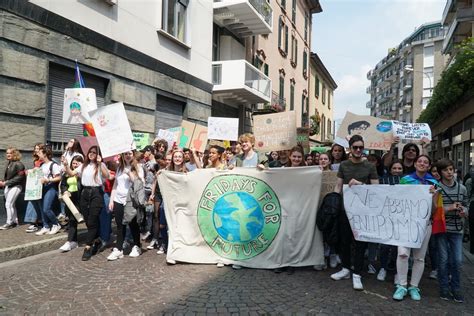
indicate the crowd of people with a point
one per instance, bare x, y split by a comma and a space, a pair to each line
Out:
125, 189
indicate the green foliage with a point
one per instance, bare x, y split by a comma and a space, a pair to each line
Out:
455, 85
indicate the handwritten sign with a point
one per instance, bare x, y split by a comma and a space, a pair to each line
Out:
275, 131
377, 133
77, 104
171, 135
193, 135
393, 215
302, 138
412, 131
112, 129
223, 128
141, 140
328, 183
34, 188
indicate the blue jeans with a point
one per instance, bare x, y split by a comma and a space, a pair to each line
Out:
47, 214
33, 211
450, 261
105, 220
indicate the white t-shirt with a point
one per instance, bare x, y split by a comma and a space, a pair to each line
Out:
88, 178
123, 184
45, 167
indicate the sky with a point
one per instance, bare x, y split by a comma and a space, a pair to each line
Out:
352, 36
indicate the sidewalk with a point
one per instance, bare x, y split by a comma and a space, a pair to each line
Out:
15, 243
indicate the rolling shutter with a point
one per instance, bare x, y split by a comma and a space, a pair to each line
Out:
169, 113
61, 78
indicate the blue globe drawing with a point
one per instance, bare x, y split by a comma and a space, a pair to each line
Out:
238, 217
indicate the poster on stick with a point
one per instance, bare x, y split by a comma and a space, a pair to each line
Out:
142, 139
377, 133
78, 102
193, 135
171, 135
112, 129
412, 131
275, 131
223, 128
34, 187
393, 215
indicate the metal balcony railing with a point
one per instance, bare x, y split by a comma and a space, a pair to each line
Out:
256, 80
264, 9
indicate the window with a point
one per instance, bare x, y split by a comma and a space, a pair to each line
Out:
283, 4
282, 37
329, 99
282, 87
174, 18
316, 87
265, 69
294, 50
292, 96
323, 127
306, 24
324, 94
293, 12
305, 64
328, 129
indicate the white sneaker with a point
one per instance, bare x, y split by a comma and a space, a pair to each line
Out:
68, 246
357, 282
333, 261
42, 231
32, 228
382, 275
371, 269
145, 235
396, 281
152, 244
136, 251
343, 274
236, 267
161, 250
220, 265
54, 230
116, 254
434, 274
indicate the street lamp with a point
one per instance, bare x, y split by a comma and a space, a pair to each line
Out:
410, 69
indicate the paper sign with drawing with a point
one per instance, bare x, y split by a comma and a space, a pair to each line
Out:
223, 128
77, 104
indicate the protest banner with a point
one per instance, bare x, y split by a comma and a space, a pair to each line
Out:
112, 129
377, 133
275, 131
78, 102
393, 215
412, 131
193, 135
244, 216
141, 140
34, 187
171, 135
302, 138
223, 128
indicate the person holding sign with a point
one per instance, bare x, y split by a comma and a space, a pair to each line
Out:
93, 173
12, 182
249, 158
354, 171
421, 176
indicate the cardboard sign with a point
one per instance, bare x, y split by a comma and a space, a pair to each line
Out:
411, 131
223, 128
141, 140
328, 183
171, 135
78, 102
112, 129
193, 135
34, 187
389, 214
377, 133
302, 138
275, 131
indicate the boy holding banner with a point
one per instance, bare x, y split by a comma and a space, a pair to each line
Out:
354, 171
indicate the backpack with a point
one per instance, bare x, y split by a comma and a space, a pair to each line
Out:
327, 218
137, 194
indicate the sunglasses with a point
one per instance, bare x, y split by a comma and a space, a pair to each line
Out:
358, 147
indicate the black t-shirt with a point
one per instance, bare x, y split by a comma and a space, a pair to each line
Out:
363, 171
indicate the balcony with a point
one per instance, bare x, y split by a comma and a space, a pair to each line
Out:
369, 75
368, 90
239, 82
459, 29
407, 85
369, 104
244, 17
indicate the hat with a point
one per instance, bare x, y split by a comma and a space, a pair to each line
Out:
147, 148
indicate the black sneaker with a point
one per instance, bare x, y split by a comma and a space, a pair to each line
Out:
458, 297
95, 247
444, 295
87, 255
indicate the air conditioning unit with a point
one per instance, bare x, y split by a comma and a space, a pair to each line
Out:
111, 2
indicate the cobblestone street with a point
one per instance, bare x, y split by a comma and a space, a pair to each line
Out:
53, 283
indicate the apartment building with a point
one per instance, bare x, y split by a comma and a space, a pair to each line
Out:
401, 84
453, 135
321, 100
154, 56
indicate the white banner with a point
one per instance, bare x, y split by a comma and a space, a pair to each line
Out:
222, 128
34, 187
389, 214
411, 131
112, 129
252, 218
78, 102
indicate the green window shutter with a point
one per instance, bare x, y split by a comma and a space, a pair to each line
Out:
280, 26
286, 39
292, 97
316, 88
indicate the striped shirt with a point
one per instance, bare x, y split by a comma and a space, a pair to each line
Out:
452, 194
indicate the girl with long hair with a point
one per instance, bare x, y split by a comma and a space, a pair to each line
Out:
93, 173
33, 208
338, 155
296, 157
